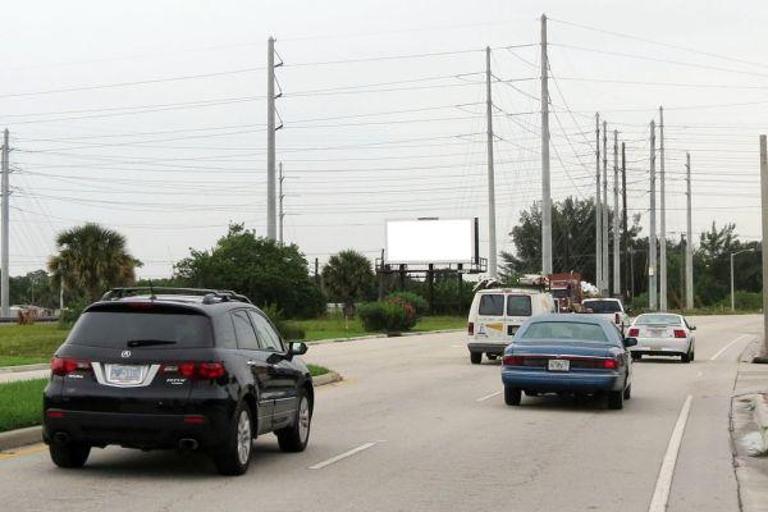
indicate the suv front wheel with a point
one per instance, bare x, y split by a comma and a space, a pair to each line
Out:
296, 437
234, 456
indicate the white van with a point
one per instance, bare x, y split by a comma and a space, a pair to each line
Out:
495, 316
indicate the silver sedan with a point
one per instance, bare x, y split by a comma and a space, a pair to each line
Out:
663, 334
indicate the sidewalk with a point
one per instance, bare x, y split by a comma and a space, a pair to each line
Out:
749, 430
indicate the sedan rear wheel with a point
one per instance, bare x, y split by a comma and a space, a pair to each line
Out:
512, 396
686, 358
616, 399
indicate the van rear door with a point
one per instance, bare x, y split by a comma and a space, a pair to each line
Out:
490, 318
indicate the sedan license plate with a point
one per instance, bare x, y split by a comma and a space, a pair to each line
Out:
559, 365
125, 374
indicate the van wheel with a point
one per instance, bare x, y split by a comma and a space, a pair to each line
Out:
491, 357
512, 396
234, 456
476, 357
296, 437
70, 455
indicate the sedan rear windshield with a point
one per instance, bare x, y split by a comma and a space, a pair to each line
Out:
602, 306
658, 320
109, 329
564, 331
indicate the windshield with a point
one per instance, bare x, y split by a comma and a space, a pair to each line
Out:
602, 306
147, 330
658, 320
564, 331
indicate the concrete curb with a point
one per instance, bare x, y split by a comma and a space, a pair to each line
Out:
326, 378
31, 435
20, 437
24, 368
378, 336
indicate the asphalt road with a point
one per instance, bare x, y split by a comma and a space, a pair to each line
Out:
425, 430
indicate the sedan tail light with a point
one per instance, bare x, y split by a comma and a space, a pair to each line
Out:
513, 360
611, 364
66, 365
679, 333
471, 328
634, 332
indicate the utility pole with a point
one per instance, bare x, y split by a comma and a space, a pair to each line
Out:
598, 211
663, 226
764, 210
280, 197
271, 128
683, 253
606, 265
652, 292
491, 180
546, 192
616, 232
5, 304
625, 237
689, 231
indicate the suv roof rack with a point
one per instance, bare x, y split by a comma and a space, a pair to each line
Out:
209, 296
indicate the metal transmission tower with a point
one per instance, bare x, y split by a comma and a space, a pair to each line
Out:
616, 233
5, 304
271, 129
689, 237
604, 251
652, 279
663, 219
280, 197
598, 211
492, 271
546, 187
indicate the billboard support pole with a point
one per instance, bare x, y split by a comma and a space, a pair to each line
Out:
431, 286
381, 276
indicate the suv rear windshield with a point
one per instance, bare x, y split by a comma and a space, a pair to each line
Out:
109, 329
518, 305
602, 306
491, 304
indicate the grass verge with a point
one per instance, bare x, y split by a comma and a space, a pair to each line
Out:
317, 370
21, 404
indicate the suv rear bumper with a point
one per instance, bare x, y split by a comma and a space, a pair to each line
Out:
134, 430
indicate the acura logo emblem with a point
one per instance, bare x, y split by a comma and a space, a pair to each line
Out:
125, 354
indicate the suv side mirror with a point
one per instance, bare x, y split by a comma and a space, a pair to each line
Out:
630, 342
297, 348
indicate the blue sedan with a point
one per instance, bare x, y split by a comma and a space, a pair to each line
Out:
578, 354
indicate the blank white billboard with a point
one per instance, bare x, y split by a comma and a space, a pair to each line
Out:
430, 241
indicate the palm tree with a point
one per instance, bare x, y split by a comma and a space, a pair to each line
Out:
348, 277
92, 259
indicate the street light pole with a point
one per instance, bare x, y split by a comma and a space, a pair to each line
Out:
733, 295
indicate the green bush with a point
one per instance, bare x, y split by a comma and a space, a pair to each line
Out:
289, 331
387, 316
744, 301
419, 303
72, 312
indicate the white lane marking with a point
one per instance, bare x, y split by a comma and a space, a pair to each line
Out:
342, 456
486, 397
664, 481
722, 350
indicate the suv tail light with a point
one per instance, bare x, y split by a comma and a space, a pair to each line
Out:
67, 365
617, 318
513, 360
679, 333
198, 371
471, 328
634, 332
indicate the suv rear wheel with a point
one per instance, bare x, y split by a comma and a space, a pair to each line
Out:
296, 437
234, 456
70, 455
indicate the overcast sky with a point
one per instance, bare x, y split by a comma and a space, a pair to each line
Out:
149, 116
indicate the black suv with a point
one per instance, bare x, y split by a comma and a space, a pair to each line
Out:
176, 368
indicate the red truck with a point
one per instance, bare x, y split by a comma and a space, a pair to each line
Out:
566, 290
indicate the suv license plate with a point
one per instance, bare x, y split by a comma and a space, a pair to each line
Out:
559, 365
125, 374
